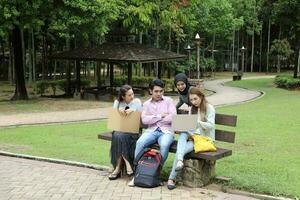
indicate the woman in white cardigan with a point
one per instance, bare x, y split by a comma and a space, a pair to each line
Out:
205, 127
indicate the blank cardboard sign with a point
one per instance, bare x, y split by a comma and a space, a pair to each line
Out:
128, 124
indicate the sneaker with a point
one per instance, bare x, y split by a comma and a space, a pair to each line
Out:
131, 183
179, 165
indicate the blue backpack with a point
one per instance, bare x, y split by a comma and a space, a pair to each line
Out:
148, 167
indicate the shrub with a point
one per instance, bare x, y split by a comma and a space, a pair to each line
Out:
140, 81
286, 81
41, 86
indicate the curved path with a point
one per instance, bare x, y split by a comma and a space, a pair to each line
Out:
224, 95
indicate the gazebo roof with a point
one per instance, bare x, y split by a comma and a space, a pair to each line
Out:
118, 52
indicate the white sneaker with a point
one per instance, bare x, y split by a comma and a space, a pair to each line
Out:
179, 165
131, 183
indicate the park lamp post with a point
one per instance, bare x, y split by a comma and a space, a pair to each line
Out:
198, 42
189, 49
243, 49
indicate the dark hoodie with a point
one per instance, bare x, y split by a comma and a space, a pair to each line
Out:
183, 95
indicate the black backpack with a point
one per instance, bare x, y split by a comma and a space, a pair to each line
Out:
148, 167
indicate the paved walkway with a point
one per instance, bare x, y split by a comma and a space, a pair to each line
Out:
223, 95
28, 179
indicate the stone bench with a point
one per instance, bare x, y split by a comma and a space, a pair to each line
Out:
199, 168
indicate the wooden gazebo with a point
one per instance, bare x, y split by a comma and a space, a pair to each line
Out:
117, 52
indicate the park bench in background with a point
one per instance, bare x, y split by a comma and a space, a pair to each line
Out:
200, 167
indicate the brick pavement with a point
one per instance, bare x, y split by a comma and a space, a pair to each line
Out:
34, 180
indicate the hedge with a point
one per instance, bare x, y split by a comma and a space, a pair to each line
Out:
42, 86
286, 81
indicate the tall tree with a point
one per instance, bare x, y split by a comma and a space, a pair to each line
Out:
286, 12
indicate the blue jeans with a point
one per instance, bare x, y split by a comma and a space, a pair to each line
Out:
148, 138
183, 147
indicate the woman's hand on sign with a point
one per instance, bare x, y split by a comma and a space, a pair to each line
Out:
122, 112
128, 111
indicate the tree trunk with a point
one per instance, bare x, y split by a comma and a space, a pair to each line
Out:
260, 51
252, 51
78, 81
268, 48
68, 72
29, 57
237, 50
278, 57
33, 57
11, 61
213, 50
247, 52
24, 53
297, 64
44, 54
169, 40
157, 43
232, 57
20, 90
50, 62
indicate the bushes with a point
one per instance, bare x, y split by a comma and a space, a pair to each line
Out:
42, 86
286, 81
138, 81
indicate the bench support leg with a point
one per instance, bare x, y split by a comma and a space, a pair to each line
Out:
196, 173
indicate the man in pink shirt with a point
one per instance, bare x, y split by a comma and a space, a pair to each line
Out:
157, 114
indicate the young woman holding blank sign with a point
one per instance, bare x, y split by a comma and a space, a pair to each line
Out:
123, 144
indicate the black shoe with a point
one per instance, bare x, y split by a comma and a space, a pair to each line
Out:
171, 186
114, 176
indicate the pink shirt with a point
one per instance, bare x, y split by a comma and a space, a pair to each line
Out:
151, 114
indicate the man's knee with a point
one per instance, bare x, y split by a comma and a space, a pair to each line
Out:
140, 143
165, 147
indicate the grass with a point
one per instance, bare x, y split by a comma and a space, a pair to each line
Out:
266, 153
265, 156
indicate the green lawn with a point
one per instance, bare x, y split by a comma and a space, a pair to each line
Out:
266, 155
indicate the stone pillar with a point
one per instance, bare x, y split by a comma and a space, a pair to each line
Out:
196, 173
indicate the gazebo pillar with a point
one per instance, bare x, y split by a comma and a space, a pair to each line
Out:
78, 75
129, 78
159, 70
111, 74
98, 73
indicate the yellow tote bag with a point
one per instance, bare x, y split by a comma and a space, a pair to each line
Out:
202, 143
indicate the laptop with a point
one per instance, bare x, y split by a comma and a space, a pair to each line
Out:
128, 124
181, 123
